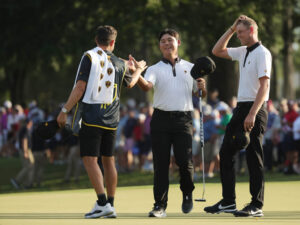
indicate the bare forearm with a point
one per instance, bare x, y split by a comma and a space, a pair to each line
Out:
25, 145
221, 45
135, 77
259, 100
144, 84
74, 97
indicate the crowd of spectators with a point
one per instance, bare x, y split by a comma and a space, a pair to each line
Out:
133, 139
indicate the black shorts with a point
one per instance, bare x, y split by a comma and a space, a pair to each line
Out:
96, 142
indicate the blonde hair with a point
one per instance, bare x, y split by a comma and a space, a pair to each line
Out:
248, 22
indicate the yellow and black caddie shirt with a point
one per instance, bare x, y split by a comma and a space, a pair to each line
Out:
105, 116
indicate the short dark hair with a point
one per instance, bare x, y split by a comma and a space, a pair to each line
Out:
169, 31
105, 34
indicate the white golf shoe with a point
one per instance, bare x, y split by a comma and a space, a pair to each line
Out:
99, 211
113, 215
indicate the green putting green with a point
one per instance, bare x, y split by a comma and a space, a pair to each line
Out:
282, 206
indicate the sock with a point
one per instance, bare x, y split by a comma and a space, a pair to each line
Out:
110, 200
101, 200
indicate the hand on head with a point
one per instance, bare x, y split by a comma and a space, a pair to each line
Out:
241, 17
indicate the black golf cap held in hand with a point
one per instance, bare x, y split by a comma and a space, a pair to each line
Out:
241, 140
203, 66
47, 129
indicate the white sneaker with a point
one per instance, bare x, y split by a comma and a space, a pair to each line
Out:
99, 211
113, 215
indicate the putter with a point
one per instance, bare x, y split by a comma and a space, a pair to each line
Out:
203, 66
202, 148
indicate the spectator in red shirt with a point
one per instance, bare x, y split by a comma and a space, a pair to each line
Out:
288, 140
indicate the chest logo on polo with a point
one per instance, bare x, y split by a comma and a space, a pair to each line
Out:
99, 52
102, 64
107, 84
185, 71
101, 76
109, 71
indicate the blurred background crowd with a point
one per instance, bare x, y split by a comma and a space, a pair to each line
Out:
133, 140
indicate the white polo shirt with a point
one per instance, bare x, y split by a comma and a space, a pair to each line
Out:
257, 65
172, 89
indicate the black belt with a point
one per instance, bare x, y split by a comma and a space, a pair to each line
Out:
249, 104
172, 113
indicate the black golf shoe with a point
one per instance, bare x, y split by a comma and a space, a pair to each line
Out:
249, 210
157, 211
220, 207
187, 203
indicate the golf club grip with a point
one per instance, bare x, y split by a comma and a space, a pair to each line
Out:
200, 93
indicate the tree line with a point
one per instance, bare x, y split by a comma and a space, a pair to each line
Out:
42, 41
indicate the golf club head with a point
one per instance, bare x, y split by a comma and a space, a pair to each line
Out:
200, 200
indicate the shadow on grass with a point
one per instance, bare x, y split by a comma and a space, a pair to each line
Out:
269, 215
54, 176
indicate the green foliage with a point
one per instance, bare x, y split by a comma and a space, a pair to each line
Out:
42, 41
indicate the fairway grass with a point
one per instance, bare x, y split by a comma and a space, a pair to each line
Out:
282, 206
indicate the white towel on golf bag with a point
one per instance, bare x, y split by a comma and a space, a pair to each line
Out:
100, 86
97, 78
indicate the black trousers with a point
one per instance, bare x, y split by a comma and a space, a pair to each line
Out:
171, 129
254, 154
268, 154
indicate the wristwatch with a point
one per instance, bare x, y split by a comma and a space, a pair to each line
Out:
64, 110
